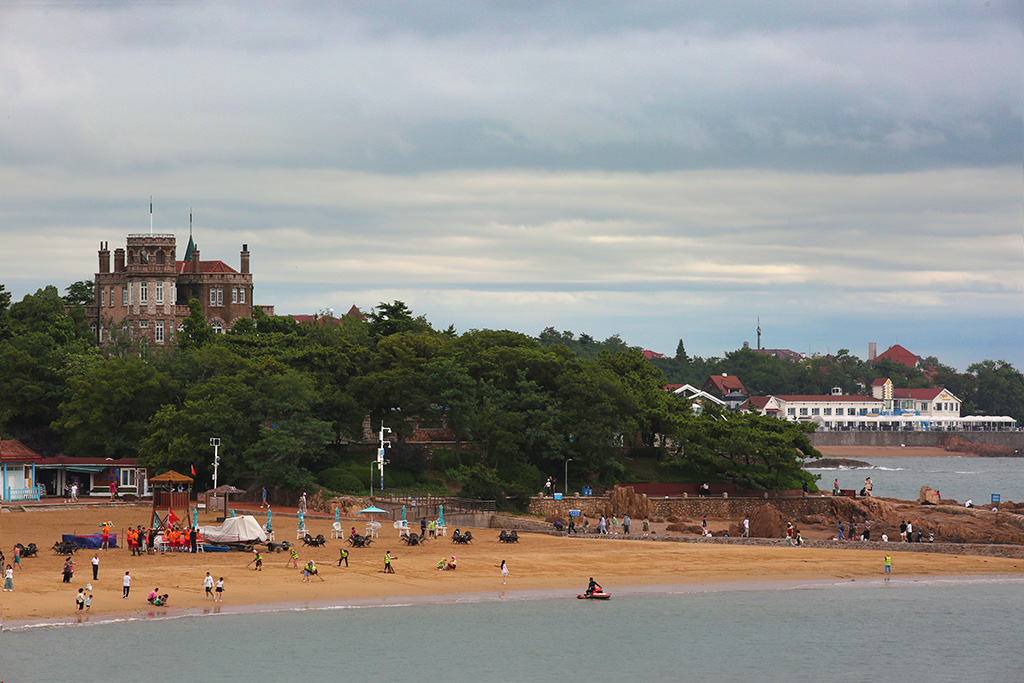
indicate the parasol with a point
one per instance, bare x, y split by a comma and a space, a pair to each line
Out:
403, 513
337, 515
372, 510
268, 520
440, 515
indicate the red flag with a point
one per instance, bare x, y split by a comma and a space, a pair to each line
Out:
171, 517
193, 470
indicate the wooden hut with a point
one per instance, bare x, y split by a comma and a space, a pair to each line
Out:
172, 493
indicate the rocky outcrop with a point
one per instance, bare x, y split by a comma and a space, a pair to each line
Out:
929, 496
767, 522
836, 463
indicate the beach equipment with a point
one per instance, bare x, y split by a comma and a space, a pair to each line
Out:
372, 510
337, 515
268, 527
403, 513
440, 515
241, 529
195, 516
596, 595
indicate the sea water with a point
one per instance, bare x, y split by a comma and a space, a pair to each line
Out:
903, 629
957, 477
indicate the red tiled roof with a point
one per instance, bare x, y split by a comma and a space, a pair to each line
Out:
725, 383
184, 267
356, 313
880, 382
652, 354
828, 397
898, 354
92, 462
926, 394
784, 354
672, 387
759, 402
12, 450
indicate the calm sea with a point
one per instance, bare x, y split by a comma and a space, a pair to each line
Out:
954, 477
933, 630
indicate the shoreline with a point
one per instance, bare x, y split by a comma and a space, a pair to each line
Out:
516, 595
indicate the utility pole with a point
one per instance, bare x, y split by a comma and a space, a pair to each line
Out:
215, 442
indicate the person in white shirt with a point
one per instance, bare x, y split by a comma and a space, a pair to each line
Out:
208, 585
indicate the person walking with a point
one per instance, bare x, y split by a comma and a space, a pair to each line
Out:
95, 567
344, 557
626, 521
746, 527
218, 593
504, 572
207, 586
388, 569
126, 585
69, 570
9, 578
264, 504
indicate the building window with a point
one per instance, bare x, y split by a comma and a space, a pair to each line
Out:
217, 328
851, 411
220, 296
112, 304
234, 295
213, 296
143, 293
828, 411
143, 323
159, 292
803, 411
131, 292
791, 411
241, 295
815, 411
126, 477
159, 331
863, 411
103, 297
124, 295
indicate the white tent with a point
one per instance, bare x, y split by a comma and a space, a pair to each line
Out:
243, 529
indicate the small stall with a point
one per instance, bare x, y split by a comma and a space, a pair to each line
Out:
172, 493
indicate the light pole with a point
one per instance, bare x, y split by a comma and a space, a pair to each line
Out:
380, 455
565, 482
215, 442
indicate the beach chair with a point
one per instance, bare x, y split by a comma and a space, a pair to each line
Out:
372, 529
403, 528
336, 531
300, 532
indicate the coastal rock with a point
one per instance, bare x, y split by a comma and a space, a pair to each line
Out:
929, 496
836, 463
767, 522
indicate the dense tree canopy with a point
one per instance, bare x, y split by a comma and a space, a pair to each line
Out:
291, 402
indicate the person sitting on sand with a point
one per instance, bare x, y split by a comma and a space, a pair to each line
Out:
153, 595
161, 600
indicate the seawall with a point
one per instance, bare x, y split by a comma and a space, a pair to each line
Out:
1011, 440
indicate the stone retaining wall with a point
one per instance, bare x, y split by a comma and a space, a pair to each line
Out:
692, 508
1012, 440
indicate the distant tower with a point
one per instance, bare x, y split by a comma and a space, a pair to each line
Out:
758, 333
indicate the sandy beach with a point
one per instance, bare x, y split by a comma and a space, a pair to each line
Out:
538, 562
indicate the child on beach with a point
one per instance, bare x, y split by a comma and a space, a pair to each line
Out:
9, 578
295, 557
88, 603
504, 572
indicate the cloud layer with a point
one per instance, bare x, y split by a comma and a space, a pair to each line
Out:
848, 174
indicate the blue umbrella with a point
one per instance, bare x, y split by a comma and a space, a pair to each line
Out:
337, 515
268, 519
302, 520
195, 516
403, 513
440, 515
232, 513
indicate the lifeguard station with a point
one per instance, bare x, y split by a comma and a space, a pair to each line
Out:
172, 493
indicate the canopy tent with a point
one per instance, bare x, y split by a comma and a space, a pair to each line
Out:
241, 529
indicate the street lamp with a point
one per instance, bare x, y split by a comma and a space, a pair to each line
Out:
215, 442
380, 454
565, 482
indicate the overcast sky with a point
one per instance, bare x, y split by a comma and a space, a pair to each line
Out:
849, 172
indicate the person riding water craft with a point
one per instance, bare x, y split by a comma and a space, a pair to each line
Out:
593, 586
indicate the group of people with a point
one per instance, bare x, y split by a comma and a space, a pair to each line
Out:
139, 539
155, 598
446, 564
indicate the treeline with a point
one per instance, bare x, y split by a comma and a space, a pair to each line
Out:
986, 388
289, 402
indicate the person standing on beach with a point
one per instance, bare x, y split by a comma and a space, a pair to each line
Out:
343, 558
388, 569
17, 556
208, 586
113, 491
126, 585
910, 532
888, 564
294, 557
69, 570
626, 521
547, 487
80, 599
835, 487
106, 536
867, 487
9, 578
840, 530
218, 595
746, 527
504, 572
95, 567
259, 561
302, 503
88, 603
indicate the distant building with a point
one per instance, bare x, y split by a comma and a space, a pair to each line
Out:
895, 353
652, 354
720, 385
784, 354
147, 291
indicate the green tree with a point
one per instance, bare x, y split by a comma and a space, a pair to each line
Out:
108, 406
999, 389
82, 293
195, 332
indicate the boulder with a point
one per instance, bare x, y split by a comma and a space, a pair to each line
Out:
767, 522
929, 496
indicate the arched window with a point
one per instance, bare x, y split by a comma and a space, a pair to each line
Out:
160, 257
218, 328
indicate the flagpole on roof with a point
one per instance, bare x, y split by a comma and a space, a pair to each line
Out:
151, 215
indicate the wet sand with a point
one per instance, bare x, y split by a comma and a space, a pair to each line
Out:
538, 563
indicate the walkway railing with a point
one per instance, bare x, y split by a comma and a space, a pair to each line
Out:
31, 493
453, 504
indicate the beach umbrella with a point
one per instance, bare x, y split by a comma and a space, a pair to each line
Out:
302, 520
337, 515
268, 519
232, 513
372, 510
440, 515
195, 516
403, 513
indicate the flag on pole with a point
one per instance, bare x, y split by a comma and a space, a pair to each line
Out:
193, 470
171, 517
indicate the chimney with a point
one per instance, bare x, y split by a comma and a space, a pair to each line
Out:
195, 259
119, 260
872, 351
104, 258
244, 257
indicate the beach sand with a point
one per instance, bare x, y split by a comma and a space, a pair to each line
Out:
538, 562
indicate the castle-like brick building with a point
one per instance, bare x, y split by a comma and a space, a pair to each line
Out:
146, 294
